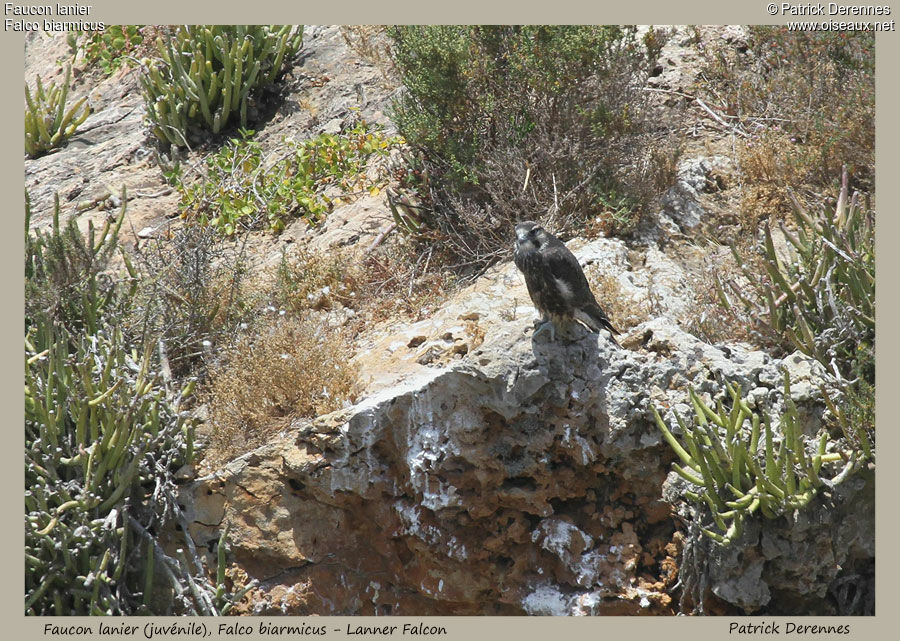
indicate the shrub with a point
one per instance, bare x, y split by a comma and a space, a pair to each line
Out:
317, 281
242, 187
103, 440
288, 368
47, 122
530, 121
193, 293
807, 101
207, 75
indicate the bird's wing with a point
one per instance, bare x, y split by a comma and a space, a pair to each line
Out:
568, 277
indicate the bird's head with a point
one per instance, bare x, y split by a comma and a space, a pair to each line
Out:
529, 232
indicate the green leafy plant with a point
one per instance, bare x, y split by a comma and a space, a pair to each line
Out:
242, 187
739, 464
110, 48
207, 75
48, 123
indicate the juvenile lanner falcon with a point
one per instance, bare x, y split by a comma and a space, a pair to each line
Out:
556, 282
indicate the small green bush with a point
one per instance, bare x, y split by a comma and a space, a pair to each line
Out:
241, 188
48, 124
109, 49
526, 121
207, 75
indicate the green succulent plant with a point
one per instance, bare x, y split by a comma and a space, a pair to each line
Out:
48, 123
818, 296
821, 295
207, 74
738, 464
104, 437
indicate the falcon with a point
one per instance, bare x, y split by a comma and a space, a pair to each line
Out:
556, 282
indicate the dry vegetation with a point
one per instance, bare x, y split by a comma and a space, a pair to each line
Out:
711, 321
192, 291
806, 106
370, 43
623, 310
289, 367
305, 280
293, 357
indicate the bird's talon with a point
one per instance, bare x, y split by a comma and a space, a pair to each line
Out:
543, 326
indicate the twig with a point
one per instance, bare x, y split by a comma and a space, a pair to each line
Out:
379, 238
166, 562
719, 119
165, 191
703, 106
670, 91
164, 366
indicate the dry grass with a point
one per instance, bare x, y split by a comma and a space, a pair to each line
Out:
769, 168
710, 320
401, 279
407, 279
293, 363
807, 105
289, 368
306, 280
193, 289
370, 42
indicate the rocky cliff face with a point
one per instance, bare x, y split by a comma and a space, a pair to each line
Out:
489, 473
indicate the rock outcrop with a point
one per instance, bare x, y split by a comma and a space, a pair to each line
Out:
488, 473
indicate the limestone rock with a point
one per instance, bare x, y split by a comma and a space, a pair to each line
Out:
515, 476
683, 203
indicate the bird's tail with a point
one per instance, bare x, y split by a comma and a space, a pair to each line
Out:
594, 317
